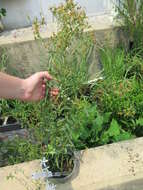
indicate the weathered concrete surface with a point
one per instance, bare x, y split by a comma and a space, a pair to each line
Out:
100, 22
19, 176
117, 166
27, 56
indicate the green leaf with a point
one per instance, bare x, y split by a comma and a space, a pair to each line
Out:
98, 123
84, 135
75, 136
105, 138
124, 136
139, 121
106, 117
99, 120
114, 129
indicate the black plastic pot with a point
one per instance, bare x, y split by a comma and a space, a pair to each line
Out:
131, 45
63, 177
9, 124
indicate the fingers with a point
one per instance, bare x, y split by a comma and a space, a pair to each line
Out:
44, 87
43, 94
45, 75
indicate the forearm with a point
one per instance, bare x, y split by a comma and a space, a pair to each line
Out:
11, 87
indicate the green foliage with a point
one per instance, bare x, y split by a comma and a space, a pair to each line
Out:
122, 91
68, 54
2, 13
130, 14
86, 124
115, 133
67, 60
113, 62
82, 115
90, 128
135, 67
19, 150
139, 121
70, 48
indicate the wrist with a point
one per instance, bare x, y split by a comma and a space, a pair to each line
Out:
22, 90
12, 87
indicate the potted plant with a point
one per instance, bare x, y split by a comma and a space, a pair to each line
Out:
68, 53
2, 14
57, 176
56, 142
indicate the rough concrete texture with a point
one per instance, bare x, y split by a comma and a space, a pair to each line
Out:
100, 22
18, 177
27, 56
117, 166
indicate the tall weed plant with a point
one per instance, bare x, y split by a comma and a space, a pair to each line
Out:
113, 63
67, 60
130, 13
70, 48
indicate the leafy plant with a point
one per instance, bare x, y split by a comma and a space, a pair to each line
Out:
121, 93
115, 133
135, 67
68, 53
86, 124
70, 48
90, 128
113, 62
130, 13
18, 150
2, 13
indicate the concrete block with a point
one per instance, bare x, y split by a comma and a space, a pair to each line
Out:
117, 166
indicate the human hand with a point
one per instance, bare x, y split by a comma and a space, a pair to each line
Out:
35, 86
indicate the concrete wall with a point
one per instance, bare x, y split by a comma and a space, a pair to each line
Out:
27, 56
18, 11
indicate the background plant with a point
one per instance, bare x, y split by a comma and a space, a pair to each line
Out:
2, 13
121, 93
18, 150
130, 13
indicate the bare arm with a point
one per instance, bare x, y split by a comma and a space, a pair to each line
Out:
11, 87
30, 89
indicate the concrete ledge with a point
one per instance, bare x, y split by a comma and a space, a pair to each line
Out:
22, 176
26, 56
100, 22
117, 166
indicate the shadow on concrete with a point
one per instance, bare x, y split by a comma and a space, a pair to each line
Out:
133, 185
68, 184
